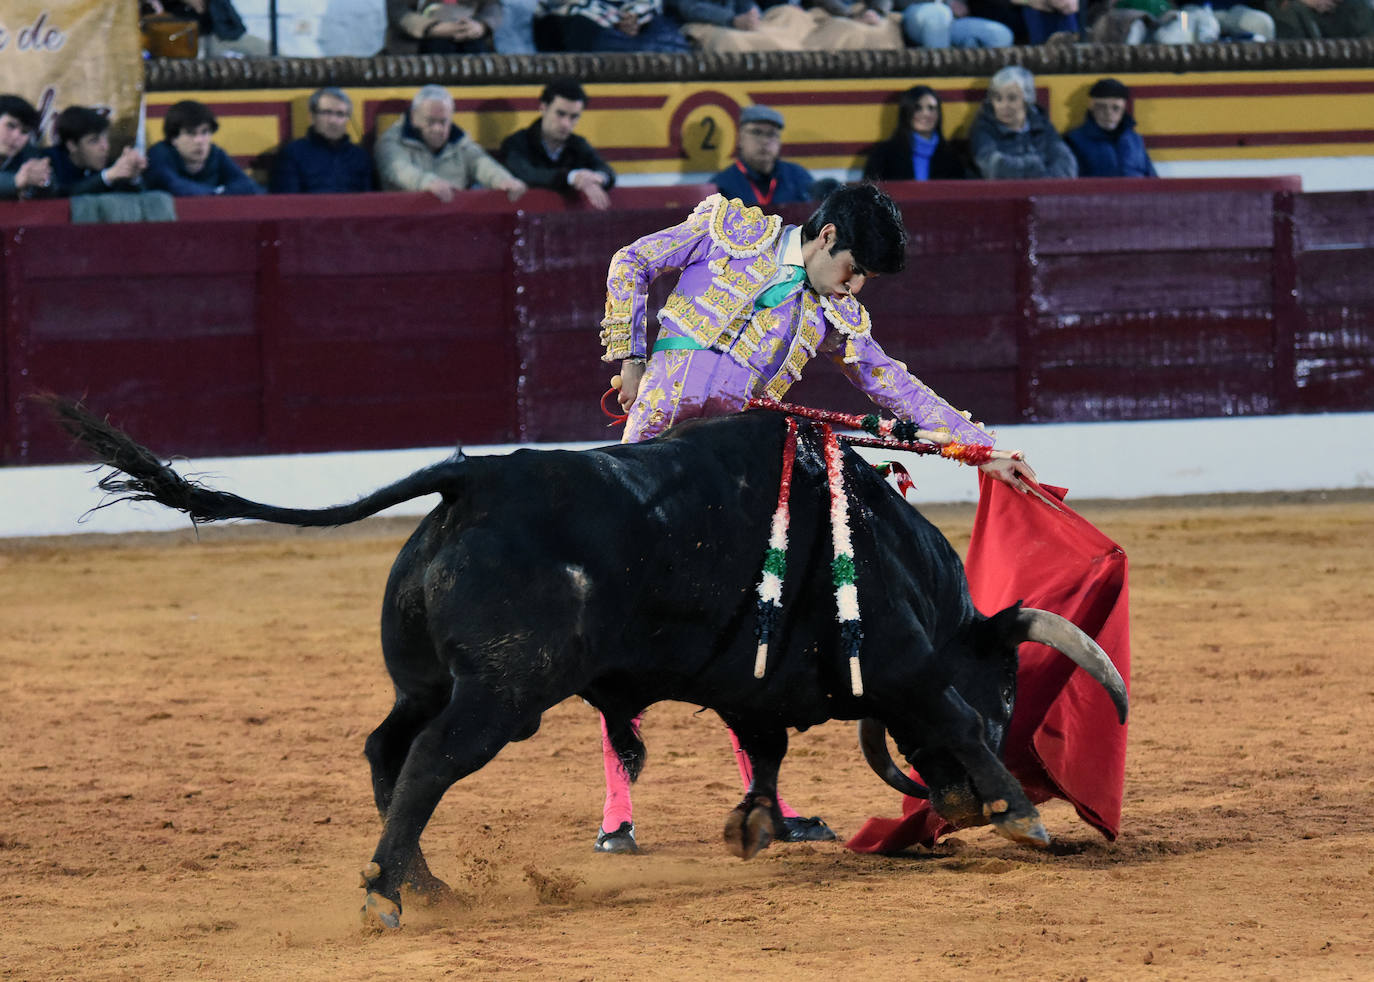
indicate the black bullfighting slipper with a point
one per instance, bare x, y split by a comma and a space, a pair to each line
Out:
623, 839
811, 829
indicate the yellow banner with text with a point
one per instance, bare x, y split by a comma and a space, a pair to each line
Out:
60, 53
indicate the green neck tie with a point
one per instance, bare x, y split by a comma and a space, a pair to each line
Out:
786, 285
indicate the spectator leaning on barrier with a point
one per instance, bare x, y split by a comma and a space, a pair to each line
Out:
426, 151
758, 176
82, 153
1107, 144
187, 163
548, 154
464, 27
917, 149
325, 160
24, 170
1012, 137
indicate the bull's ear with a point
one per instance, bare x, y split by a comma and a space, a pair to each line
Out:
1000, 631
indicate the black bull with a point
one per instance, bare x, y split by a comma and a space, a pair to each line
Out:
627, 575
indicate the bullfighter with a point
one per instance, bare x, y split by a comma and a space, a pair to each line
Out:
756, 301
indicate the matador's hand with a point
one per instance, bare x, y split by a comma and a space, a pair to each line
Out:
631, 372
1011, 472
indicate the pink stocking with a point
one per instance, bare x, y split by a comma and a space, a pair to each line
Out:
746, 773
618, 808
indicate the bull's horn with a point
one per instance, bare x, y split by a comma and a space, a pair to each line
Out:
1065, 637
873, 742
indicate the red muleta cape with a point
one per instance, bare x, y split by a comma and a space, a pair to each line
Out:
1064, 740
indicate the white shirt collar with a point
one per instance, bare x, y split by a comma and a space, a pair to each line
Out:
792, 248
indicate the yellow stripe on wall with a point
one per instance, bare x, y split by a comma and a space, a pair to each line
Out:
691, 127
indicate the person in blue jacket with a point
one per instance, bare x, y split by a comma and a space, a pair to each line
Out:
187, 162
325, 160
81, 156
1107, 144
758, 176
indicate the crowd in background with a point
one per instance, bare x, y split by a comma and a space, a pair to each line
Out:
425, 150
1011, 136
243, 28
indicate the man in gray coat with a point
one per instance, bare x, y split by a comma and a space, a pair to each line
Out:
426, 151
1012, 137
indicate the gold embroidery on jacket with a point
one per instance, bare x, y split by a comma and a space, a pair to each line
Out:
618, 327
810, 333
763, 323
740, 230
847, 314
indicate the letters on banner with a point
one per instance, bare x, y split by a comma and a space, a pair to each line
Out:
60, 53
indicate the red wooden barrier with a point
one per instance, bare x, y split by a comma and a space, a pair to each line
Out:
306, 323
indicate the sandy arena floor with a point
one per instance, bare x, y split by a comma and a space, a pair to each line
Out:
185, 794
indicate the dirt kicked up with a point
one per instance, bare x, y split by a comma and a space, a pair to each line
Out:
185, 794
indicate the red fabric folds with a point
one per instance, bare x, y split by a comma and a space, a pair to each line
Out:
1064, 740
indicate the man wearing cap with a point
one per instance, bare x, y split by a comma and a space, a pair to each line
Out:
1107, 144
758, 177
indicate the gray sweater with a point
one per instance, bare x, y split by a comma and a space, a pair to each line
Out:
1036, 151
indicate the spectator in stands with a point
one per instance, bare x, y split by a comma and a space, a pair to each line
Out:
611, 25
81, 156
1032, 21
426, 151
1242, 22
845, 26
187, 162
548, 154
917, 149
24, 171
325, 160
464, 27
1299, 19
1107, 145
1012, 137
758, 176
937, 24
739, 25
352, 28
222, 31
780, 25
515, 34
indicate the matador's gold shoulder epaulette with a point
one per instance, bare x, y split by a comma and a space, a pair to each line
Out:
740, 230
846, 314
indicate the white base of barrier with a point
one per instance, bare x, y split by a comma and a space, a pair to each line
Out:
1094, 460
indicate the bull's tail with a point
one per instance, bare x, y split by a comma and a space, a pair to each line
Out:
140, 476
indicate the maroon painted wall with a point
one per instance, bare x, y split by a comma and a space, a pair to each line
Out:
337, 323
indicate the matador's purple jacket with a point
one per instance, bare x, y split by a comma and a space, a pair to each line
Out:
721, 351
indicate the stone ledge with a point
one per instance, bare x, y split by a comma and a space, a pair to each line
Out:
174, 75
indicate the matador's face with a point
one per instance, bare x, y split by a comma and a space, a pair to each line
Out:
831, 271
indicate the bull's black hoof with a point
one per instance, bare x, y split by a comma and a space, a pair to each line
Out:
621, 840
811, 829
